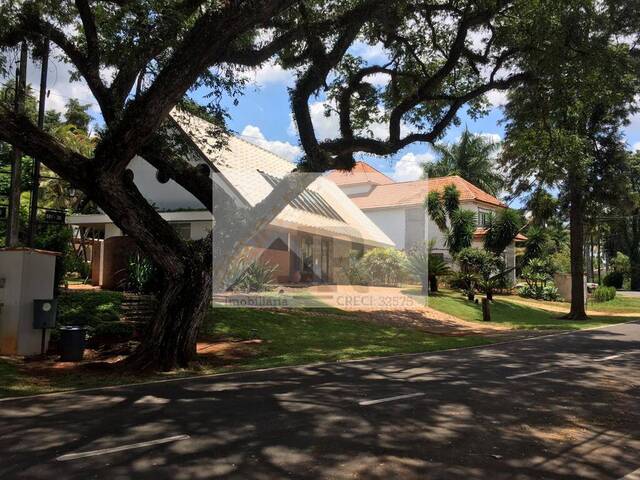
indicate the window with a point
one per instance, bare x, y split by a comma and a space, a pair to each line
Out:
307, 255
484, 218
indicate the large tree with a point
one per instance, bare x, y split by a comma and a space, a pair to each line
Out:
586, 79
472, 157
156, 52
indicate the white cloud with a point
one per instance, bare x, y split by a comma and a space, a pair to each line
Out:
494, 137
60, 86
371, 53
252, 134
270, 73
636, 147
329, 126
409, 167
497, 98
325, 127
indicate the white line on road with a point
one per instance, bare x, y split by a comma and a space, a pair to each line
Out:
635, 475
121, 448
530, 374
389, 399
610, 357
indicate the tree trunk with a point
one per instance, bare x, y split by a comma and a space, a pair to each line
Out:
433, 283
576, 230
599, 259
634, 273
170, 338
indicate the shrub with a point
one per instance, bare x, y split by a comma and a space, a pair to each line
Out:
55, 238
604, 294
109, 333
550, 293
561, 261
540, 292
426, 266
536, 273
613, 279
140, 274
384, 266
621, 263
89, 308
477, 268
353, 269
255, 277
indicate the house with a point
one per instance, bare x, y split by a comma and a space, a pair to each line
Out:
308, 241
397, 208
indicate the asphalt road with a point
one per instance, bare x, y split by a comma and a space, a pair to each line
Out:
558, 407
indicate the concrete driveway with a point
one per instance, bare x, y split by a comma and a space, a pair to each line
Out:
564, 406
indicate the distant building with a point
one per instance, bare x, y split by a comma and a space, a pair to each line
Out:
309, 240
397, 208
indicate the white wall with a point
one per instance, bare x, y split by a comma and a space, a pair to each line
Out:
165, 196
391, 222
356, 189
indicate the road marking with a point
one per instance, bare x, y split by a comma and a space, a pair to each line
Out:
635, 475
610, 357
121, 448
530, 374
390, 399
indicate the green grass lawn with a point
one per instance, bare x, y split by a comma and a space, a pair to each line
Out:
619, 304
287, 337
298, 336
514, 315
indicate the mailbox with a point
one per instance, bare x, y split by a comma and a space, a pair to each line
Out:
44, 313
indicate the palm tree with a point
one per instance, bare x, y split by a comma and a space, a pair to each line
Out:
458, 225
472, 158
501, 230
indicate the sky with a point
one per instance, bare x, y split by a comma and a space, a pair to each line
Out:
263, 115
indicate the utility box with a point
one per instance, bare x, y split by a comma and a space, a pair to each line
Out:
44, 313
25, 275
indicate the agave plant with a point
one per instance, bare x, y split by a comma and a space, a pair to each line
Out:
427, 267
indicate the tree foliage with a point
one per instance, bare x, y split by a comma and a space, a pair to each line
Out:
142, 59
472, 157
583, 89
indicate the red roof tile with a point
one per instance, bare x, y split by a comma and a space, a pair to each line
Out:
361, 173
400, 194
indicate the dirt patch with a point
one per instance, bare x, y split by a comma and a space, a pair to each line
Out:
390, 306
434, 322
228, 351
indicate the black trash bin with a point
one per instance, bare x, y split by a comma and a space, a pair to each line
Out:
73, 340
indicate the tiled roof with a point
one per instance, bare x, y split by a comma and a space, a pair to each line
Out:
481, 232
243, 165
401, 194
361, 173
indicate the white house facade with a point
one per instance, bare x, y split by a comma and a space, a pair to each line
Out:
397, 208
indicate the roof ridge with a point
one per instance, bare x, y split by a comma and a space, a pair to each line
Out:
362, 162
240, 137
235, 135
